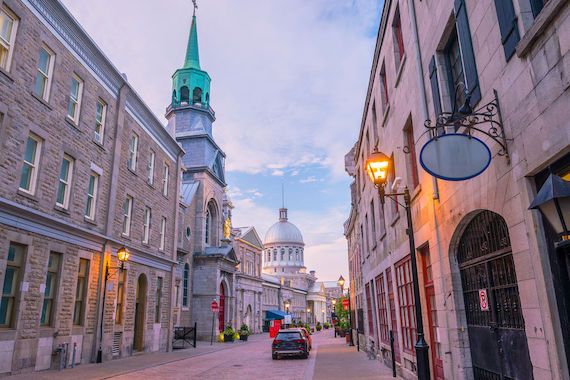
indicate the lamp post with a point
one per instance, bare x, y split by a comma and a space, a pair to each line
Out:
340, 283
377, 167
123, 256
333, 301
287, 304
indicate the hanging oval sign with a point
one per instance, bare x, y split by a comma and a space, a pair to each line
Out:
455, 157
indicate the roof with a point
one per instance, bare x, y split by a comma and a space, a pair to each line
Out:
330, 284
272, 315
283, 231
226, 251
249, 235
187, 191
192, 60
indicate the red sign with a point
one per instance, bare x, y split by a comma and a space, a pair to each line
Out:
345, 303
214, 306
483, 300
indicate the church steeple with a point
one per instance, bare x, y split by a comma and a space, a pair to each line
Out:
192, 60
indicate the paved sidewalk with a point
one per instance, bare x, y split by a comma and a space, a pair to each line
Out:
134, 363
337, 360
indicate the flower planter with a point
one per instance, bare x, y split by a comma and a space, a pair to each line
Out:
347, 337
243, 338
228, 338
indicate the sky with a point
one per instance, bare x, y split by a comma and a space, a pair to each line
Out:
289, 80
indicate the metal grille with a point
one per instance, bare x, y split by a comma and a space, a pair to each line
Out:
483, 374
117, 338
485, 234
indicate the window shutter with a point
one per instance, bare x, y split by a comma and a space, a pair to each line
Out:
536, 6
434, 87
468, 56
508, 25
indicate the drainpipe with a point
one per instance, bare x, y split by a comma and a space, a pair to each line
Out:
420, 71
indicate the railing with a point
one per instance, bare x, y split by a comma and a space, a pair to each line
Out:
184, 336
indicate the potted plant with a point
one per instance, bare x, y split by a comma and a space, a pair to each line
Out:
243, 332
319, 327
326, 325
229, 334
308, 327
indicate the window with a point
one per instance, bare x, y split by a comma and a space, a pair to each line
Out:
398, 38
406, 298
434, 81
362, 237
74, 101
64, 187
10, 289
208, 223
29, 173
369, 311
50, 289
413, 175
91, 205
374, 123
537, 6
162, 233
127, 211
42, 82
274, 255
146, 226
185, 285
100, 117
120, 297
367, 237
158, 299
382, 310
282, 254
508, 25
391, 179
455, 70
8, 27
383, 88
150, 176
81, 292
165, 181
373, 222
133, 148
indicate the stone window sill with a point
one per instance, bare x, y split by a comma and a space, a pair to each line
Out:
395, 219
89, 220
71, 122
385, 116
41, 100
543, 20
6, 74
400, 70
131, 170
62, 210
99, 144
28, 195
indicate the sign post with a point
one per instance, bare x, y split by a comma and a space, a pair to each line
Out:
214, 306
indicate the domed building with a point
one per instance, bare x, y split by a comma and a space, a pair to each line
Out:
287, 285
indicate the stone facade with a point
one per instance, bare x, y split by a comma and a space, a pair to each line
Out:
43, 225
423, 51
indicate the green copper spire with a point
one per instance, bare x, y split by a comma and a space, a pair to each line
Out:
192, 60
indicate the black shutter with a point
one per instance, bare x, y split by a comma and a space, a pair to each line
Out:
434, 87
536, 6
467, 54
508, 25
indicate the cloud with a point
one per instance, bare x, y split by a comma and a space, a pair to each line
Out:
278, 173
310, 180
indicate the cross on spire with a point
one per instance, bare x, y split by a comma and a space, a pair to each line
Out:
195, 7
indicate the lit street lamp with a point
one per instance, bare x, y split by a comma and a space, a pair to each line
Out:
377, 167
123, 256
340, 283
333, 301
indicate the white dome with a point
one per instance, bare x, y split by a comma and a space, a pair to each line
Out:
283, 232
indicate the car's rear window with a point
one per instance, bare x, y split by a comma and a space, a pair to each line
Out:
289, 335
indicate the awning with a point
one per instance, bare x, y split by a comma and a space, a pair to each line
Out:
272, 315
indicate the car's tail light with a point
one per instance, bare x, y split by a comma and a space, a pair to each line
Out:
299, 341
276, 341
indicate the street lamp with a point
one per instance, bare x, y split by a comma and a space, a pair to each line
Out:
553, 201
123, 256
340, 283
377, 167
333, 301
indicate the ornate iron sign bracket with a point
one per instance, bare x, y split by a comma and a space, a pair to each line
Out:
473, 120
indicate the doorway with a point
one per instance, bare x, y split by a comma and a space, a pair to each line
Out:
140, 307
222, 311
495, 324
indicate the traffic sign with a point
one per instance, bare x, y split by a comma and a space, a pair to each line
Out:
345, 303
483, 300
214, 306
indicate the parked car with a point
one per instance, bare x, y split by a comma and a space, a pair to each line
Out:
306, 335
290, 342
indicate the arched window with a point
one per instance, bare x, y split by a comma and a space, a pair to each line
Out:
282, 254
173, 96
184, 94
197, 95
207, 231
274, 255
185, 285
290, 256
207, 97
211, 232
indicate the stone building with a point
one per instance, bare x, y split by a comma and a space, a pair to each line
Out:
85, 169
473, 235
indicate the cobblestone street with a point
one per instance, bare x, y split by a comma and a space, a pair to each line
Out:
330, 359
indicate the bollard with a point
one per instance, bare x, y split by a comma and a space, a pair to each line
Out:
66, 355
73, 356
59, 350
392, 353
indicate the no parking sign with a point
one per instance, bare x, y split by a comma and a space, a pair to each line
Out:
483, 300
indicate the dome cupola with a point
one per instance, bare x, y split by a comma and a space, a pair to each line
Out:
283, 232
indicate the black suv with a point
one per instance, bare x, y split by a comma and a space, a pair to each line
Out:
290, 343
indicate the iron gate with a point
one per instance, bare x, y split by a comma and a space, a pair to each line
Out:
497, 338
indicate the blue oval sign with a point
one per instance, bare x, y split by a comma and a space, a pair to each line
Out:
455, 157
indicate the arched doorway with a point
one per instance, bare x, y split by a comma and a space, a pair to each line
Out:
495, 323
140, 306
222, 311
248, 316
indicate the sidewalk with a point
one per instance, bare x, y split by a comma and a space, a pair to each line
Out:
134, 363
337, 360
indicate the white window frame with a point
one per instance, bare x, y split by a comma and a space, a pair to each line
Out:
47, 76
165, 180
75, 99
133, 152
92, 198
162, 234
100, 122
150, 167
34, 165
9, 45
67, 182
127, 215
146, 225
